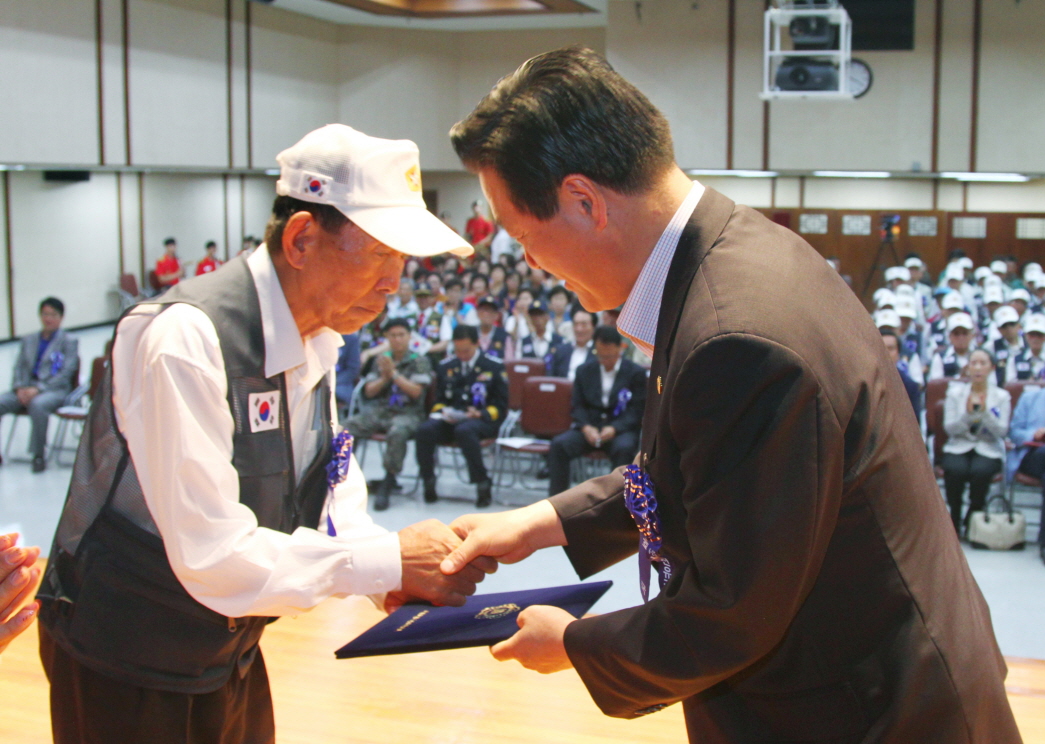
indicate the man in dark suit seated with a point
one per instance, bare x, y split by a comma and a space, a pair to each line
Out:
471, 394
569, 357
542, 343
45, 373
609, 397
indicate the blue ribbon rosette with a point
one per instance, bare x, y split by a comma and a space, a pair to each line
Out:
57, 360
396, 398
642, 505
337, 470
478, 394
622, 402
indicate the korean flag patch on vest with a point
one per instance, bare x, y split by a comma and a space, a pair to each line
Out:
263, 410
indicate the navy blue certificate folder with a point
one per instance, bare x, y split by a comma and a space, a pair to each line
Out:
482, 621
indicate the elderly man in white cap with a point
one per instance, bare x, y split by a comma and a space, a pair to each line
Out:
1008, 344
950, 303
908, 361
1029, 363
950, 361
213, 492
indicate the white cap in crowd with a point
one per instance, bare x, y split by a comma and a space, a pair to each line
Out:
960, 320
981, 273
898, 272
999, 267
374, 182
906, 308
904, 290
887, 319
1005, 314
1020, 294
954, 272
952, 301
914, 263
993, 281
1035, 280
1035, 324
993, 294
965, 262
884, 298
1031, 269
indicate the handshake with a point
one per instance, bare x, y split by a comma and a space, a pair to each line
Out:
442, 565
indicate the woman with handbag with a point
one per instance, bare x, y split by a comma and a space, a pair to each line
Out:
976, 419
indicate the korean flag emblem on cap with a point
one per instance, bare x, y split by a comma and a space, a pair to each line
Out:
313, 184
263, 409
413, 178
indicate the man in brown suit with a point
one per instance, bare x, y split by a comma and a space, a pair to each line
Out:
812, 589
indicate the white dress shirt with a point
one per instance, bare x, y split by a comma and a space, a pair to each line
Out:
638, 318
607, 378
169, 395
577, 358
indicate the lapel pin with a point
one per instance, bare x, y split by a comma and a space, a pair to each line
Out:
660, 385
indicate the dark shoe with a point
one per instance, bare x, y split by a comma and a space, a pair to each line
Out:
483, 494
430, 495
38, 464
384, 490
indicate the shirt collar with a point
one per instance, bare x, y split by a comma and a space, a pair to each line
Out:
638, 318
284, 347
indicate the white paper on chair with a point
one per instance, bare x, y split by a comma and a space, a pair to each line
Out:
516, 442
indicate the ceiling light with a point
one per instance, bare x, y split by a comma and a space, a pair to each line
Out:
992, 177
733, 173
851, 174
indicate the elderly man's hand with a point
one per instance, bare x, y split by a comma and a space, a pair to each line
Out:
19, 578
423, 546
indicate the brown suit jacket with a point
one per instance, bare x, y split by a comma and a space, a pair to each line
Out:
819, 593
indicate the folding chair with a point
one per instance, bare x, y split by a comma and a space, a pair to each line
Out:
546, 404
75, 409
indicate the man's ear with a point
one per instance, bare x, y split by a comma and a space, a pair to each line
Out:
582, 199
298, 236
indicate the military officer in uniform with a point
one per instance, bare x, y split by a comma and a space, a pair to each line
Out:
471, 399
393, 402
542, 343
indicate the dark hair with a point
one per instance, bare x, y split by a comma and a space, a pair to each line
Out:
421, 274
508, 260
560, 113
397, 323
210, 244
466, 331
894, 334
451, 283
985, 351
559, 289
168, 241
580, 310
477, 275
285, 207
608, 335
54, 303
955, 253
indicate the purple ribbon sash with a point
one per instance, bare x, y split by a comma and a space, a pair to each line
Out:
622, 402
642, 505
337, 470
478, 394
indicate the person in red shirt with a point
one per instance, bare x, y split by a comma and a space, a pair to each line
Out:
478, 231
210, 261
168, 268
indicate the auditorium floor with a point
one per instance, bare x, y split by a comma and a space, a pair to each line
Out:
458, 696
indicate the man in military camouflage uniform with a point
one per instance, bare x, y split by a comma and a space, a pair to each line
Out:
393, 402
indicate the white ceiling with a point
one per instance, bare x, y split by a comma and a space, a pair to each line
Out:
330, 11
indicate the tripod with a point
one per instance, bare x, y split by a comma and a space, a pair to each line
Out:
876, 264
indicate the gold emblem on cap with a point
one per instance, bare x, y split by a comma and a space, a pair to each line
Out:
413, 178
660, 385
498, 611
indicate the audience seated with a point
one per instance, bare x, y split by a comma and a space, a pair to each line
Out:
19, 578
402, 303
493, 339
471, 400
1009, 343
46, 370
609, 397
892, 346
1029, 363
454, 307
976, 419
951, 361
393, 402
568, 357
346, 372
1028, 434
432, 324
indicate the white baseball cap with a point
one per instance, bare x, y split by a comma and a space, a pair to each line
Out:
965, 262
993, 294
952, 301
992, 281
1035, 324
884, 297
898, 272
982, 272
887, 319
914, 263
1031, 268
954, 271
374, 182
999, 267
1005, 314
960, 320
906, 308
904, 290
1020, 294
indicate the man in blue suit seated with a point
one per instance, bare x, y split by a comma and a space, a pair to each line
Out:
568, 358
1028, 426
45, 373
609, 397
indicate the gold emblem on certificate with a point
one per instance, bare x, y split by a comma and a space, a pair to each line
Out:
493, 613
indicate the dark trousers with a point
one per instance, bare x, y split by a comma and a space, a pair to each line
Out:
1033, 464
570, 444
91, 708
39, 410
971, 468
467, 435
